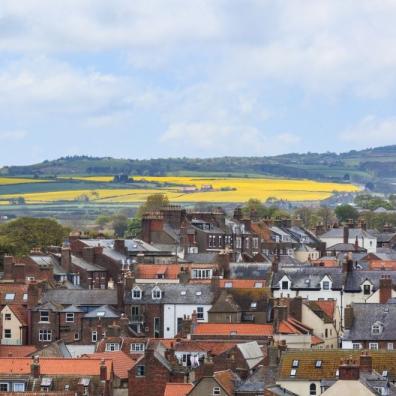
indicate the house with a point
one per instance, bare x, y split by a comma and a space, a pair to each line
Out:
14, 325
61, 376
220, 383
158, 310
370, 326
346, 235
313, 372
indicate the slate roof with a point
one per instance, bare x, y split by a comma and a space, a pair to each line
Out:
365, 315
196, 294
384, 237
79, 262
81, 297
300, 276
354, 279
252, 353
201, 257
353, 233
345, 247
72, 309
250, 270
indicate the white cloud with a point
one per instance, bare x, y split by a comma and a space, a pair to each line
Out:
372, 131
9, 136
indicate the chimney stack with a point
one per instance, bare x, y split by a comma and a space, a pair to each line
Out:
385, 289
295, 308
348, 317
35, 366
275, 264
280, 314
103, 370
346, 234
349, 370
66, 259
208, 369
366, 362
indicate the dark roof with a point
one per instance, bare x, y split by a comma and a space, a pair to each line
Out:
385, 236
103, 312
366, 315
353, 233
345, 247
201, 257
79, 262
80, 297
250, 270
355, 279
173, 294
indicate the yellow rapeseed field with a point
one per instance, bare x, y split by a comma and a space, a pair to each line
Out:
18, 180
223, 190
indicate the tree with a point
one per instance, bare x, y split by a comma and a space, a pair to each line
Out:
120, 224
153, 202
134, 228
102, 220
346, 212
20, 236
255, 206
326, 216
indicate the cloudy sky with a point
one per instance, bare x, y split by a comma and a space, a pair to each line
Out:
160, 78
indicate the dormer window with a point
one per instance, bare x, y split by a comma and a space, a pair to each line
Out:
326, 285
376, 329
366, 289
136, 293
285, 285
156, 293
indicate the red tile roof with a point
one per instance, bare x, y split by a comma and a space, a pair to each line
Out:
242, 283
175, 389
16, 350
9, 288
20, 312
56, 366
121, 362
328, 307
226, 379
151, 271
238, 328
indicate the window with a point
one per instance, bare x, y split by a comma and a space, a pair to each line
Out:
18, 387
7, 333
4, 386
366, 289
156, 293
44, 316
94, 336
76, 336
258, 285
285, 285
390, 346
157, 327
112, 346
247, 243
7, 316
326, 333
238, 242
136, 293
255, 243
325, 286
228, 285
293, 372
137, 347
201, 273
375, 329
253, 305
295, 363
9, 296
356, 345
45, 335
25, 297
318, 364
373, 346
216, 391
140, 370
312, 389
220, 240
200, 313
70, 317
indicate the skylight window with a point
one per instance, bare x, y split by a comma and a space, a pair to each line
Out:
293, 372
198, 293
253, 305
10, 296
258, 284
100, 313
318, 364
295, 363
183, 292
228, 284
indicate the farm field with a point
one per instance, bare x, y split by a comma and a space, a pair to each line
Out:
19, 180
217, 190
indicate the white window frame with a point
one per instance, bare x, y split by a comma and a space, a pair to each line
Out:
112, 347
373, 346
44, 313
156, 293
20, 385
356, 345
138, 292
67, 319
390, 346
326, 285
201, 273
7, 316
216, 391
200, 313
137, 372
137, 347
94, 336
7, 384
45, 335
376, 329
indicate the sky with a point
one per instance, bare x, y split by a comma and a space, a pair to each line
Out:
194, 78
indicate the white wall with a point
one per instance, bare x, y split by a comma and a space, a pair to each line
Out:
174, 311
367, 243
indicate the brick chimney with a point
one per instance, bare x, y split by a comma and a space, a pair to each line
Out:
346, 234
88, 254
366, 362
184, 276
385, 289
114, 330
120, 293
33, 294
119, 245
208, 366
348, 317
8, 265
103, 370
124, 324
349, 370
223, 260
347, 265
280, 314
275, 264
19, 273
295, 308
66, 259
35, 366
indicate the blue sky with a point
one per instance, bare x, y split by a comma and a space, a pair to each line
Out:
197, 78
